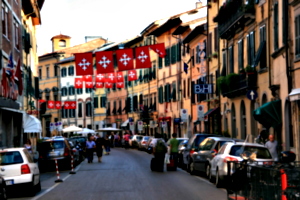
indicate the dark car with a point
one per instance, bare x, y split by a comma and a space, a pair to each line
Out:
208, 148
192, 146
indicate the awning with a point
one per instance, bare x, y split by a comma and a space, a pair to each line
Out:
269, 114
124, 124
211, 111
295, 94
261, 49
31, 124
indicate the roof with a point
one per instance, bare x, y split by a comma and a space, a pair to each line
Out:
61, 36
194, 33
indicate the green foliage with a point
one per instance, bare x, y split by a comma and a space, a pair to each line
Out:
232, 81
222, 85
249, 68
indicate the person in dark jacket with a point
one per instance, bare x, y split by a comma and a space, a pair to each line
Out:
99, 148
107, 145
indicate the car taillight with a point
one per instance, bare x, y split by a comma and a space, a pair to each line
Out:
25, 169
66, 152
144, 142
191, 152
267, 163
228, 158
74, 150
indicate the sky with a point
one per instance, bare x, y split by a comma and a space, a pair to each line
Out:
115, 20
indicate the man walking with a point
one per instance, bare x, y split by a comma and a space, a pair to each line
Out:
173, 144
272, 145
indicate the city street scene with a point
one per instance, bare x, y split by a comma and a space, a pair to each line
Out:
150, 100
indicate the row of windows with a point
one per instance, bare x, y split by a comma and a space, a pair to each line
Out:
70, 113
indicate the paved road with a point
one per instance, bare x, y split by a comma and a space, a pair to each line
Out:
125, 175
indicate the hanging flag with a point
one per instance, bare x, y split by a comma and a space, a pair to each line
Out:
100, 78
159, 49
99, 85
142, 57
108, 85
50, 104
18, 77
57, 104
166, 110
104, 62
185, 67
84, 63
125, 59
87, 78
10, 67
78, 83
89, 84
4, 83
120, 84
132, 75
70, 105
120, 77
111, 78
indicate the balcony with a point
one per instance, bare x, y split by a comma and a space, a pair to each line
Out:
233, 16
234, 85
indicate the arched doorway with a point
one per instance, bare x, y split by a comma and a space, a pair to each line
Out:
233, 120
243, 121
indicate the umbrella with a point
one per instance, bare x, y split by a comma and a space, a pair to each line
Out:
72, 128
86, 131
108, 129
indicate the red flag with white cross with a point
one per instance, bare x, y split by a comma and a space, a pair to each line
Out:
57, 104
159, 49
78, 83
89, 84
120, 77
70, 104
87, 78
108, 85
99, 85
100, 78
125, 59
104, 62
50, 104
132, 75
111, 77
84, 64
120, 84
142, 57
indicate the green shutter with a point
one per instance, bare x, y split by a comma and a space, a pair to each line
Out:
167, 57
179, 51
276, 26
174, 92
160, 63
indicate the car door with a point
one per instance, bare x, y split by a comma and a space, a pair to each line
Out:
205, 153
216, 159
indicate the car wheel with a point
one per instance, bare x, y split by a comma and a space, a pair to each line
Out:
38, 187
192, 168
211, 178
207, 170
31, 189
3, 194
218, 180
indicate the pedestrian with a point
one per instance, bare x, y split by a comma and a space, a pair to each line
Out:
28, 146
272, 145
262, 137
107, 145
112, 140
99, 148
159, 151
173, 144
117, 138
90, 147
126, 138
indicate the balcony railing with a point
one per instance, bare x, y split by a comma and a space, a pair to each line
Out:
234, 14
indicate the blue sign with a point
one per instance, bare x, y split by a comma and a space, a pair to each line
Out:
251, 94
130, 119
203, 88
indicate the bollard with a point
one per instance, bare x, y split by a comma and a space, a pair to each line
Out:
72, 166
284, 183
57, 173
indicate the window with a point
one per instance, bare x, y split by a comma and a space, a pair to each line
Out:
79, 109
79, 90
16, 33
167, 92
71, 71
241, 54
262, 51
40, 73
62, 43
209, 44
56, 70
135, 103
160, 63
63, 72
72, 113
184, 88
71, 90
47, 72
96, 103
275, 10
224, 64
297, 36
231, 59
216, 39
4, 19
154, 102
64, 92
88, 90
251, 48
102, 102
88, 109
64, 113
188, 87
167, 57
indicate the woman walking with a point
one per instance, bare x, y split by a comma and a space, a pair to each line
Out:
107, 144
99, 148
90, 146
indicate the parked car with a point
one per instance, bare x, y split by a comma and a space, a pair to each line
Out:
142, 144
56, 148
79, 143
133, 142
3, 193
191, 147
200, 160
19, 171
231, 152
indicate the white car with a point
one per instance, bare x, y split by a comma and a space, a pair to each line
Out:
19, 169
232, 152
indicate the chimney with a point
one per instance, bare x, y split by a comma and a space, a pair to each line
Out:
198, 4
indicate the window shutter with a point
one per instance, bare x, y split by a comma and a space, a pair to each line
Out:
179, 52
96, 104
240, 54
192, 92
197, 54
160, 63
174, 92
276, 26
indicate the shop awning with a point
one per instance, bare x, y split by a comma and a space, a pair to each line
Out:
295, 94
31, 124
124, 124
269, 114
211, 111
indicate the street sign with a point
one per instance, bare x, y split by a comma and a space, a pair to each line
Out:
251, 94
183, 115
203, 88
163, 124
200, 109
131, 126
140, 125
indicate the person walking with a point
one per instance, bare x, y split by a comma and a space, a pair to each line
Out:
126, 138
107, 145
90, 146
99, 148
27, 145
173, 144
272, 145
159, 151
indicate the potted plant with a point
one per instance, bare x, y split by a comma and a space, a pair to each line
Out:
208, 58
250, 70
232, 81
221, 83
215, 55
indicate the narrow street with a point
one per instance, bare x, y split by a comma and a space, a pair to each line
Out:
125, 174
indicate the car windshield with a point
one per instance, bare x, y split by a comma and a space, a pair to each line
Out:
10, 157
139, 137
199, 139
146, 138
261, 152
49, 145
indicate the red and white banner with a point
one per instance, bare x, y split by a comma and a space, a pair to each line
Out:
159, 49
18, 77
99, 85
104, 62
132, 75
120, 77
108, 85
50, 104
70, 105
84, 63
125, 59
87, 78
57, 105
100, 78
89, 84
78, 83
120, 84
142, 57
111, 78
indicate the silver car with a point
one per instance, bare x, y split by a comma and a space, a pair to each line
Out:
232, 152
143, 143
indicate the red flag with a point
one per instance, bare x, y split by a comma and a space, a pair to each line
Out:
70, 105
142, 57
159, 49
78, 83
132, 75
57, 104
84, 63
99, 85
104, 62
120, 84
4, 83
73, 104
50, 104
87, 78
125, 59
108, 85
111, 78
89, 84
120, 77
100, 78
18, 77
